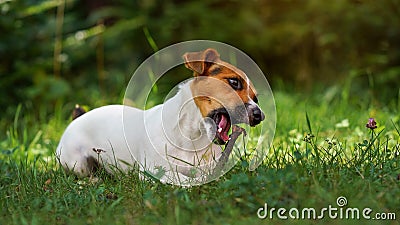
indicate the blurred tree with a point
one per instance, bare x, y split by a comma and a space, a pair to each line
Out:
299, 42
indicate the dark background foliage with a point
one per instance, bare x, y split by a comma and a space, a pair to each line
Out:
59, 52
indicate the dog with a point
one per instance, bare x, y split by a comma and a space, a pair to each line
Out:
178, 140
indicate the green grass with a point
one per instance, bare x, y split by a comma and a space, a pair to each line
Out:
322, 150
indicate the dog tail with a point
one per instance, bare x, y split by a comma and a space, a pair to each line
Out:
77, 112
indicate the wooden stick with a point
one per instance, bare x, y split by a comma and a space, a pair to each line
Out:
236, 132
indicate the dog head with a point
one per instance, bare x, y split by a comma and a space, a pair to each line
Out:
222, 93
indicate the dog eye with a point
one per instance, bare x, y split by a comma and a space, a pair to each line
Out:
235, 83
255, 99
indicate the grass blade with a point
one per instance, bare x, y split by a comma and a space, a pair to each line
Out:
308, 122
395, 127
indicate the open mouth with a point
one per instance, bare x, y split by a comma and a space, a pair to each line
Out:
223, 124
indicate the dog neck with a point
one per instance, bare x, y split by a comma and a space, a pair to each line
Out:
183, 122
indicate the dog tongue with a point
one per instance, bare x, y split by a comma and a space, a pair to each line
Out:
223, 132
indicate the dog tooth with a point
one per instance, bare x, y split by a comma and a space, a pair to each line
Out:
220, 130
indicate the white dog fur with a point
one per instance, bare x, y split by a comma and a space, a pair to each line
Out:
122, 136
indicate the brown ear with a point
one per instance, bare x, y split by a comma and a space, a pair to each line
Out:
199, 61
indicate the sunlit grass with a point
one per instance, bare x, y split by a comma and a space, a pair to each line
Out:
310, 164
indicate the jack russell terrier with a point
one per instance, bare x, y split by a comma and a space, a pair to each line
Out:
179, 140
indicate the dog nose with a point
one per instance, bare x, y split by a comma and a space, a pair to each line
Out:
257, 116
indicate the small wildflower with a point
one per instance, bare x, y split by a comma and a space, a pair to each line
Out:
343, 124
308, 138
331, 141
371, 124
98, 150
